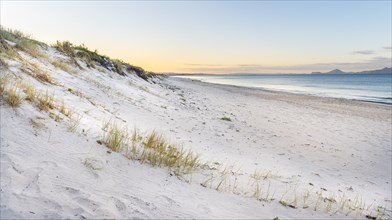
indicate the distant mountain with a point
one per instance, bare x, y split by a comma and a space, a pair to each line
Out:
385, 70
338, 71
335, 71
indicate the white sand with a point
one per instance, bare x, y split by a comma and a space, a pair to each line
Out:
300, 143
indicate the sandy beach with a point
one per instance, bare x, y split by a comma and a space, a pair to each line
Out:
334, 143
262, 154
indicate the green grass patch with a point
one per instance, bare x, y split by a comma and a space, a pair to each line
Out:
226, 119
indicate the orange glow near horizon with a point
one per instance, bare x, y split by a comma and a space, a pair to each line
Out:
265, 37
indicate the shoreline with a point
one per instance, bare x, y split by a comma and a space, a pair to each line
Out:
337, 144
277, 91
325, 103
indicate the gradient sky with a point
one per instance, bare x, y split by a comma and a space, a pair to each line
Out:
217, 36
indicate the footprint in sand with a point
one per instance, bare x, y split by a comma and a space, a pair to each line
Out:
170, 201
120, 206
33, 183
72, 191
88, 204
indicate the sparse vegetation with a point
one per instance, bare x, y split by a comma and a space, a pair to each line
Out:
115, 137
13, 97
3, 64
93, 164
64, 110
35, 71
65, 47
4, 79
29, 90
45, 101
152, 148
93, 58
43, 76
60, 65
7, 51
23, 42
11, 34
30, 47
159, 152
74, 121
226, 119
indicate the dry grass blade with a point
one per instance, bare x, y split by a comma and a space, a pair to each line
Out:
115, 137
13, 97
45, 101
3, 83
29, 90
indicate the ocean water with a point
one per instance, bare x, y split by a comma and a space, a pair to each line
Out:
363, 87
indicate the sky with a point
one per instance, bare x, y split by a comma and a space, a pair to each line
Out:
217, 36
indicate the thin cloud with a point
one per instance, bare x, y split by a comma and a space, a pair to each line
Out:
363, 52
201, 64
387, 48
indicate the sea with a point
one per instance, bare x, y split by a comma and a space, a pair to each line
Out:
363, 87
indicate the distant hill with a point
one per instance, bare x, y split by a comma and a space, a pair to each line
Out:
385, 70
335, 71
338, 71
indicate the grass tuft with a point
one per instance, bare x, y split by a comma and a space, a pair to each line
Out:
74, 121
13, 97
159, 152
45, 101
43, 76
65, 47
60, 65
115, 137
4, 79
29, 46
12, 35
35, 71
29, 90
152, 148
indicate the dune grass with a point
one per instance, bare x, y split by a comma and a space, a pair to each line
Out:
7, 51
12, 34
23, 42
29, 90
4, 79
61, 65
30, 47
158, 152
74, 121
115, 137
41, 75
13, 96
65, 47
35, 71
152, 148
45, 101
3, 64
64, 110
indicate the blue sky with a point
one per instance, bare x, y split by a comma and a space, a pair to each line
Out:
218, 36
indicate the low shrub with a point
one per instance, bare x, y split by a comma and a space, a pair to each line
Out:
65, 47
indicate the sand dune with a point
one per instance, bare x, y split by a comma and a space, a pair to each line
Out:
276, 154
